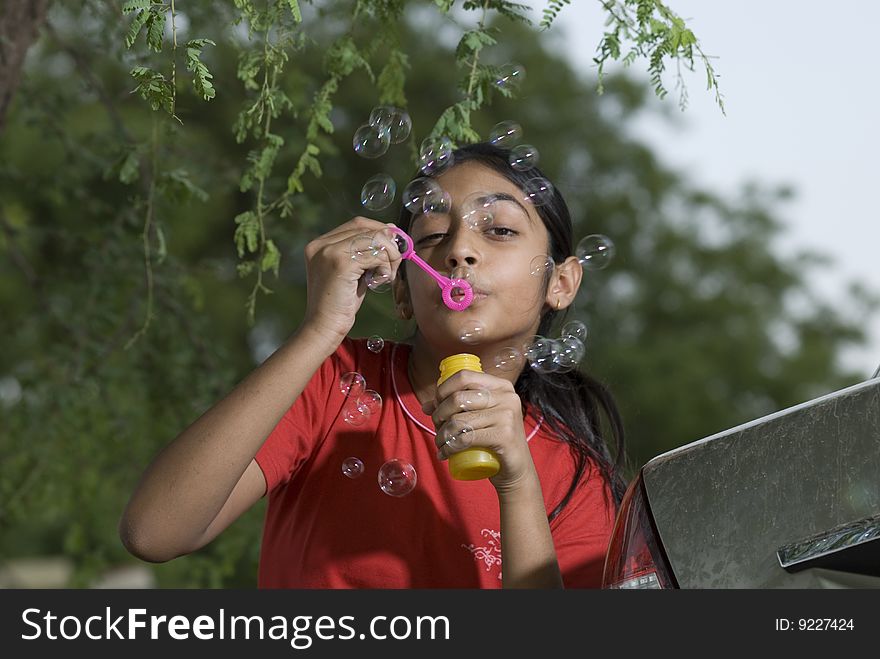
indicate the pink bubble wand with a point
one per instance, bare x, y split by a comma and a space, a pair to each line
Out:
446, 284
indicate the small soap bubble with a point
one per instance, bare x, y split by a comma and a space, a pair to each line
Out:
353, 415
352, 384
435, 155
475, 399
353, 467
456, 435
538, 191
595, 251
394, 120
375, 343
541, 264
523, 157
416, 192
369, 403
365, 248
465, 272
570, 352
478, 211
508, 359
541, 353
401, 127
505, 134
378, 192
510, 76
397, 477
378, 280
381, 116
371, 141
440, 204
473, 332
574, 328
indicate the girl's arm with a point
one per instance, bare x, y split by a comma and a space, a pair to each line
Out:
528, 557
207, 476
490, 407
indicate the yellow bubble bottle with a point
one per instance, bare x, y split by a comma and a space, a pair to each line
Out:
473, 463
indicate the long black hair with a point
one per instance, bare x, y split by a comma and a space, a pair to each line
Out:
573, 403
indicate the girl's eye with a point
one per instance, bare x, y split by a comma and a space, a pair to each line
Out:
430, 238
503, 232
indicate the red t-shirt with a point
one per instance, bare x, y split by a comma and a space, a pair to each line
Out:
326, 530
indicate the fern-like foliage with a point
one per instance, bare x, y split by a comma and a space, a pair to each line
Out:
551, 11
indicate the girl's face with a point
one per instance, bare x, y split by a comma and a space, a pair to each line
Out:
508, 298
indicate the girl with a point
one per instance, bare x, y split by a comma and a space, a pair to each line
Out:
543, 521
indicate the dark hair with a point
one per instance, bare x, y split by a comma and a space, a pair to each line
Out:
572, 402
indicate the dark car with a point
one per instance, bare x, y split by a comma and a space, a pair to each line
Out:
790, 500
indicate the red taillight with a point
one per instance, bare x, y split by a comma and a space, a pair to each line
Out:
635, 558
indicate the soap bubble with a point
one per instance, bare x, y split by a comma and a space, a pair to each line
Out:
570, 352
541, 264
523, 157
541, 354
475, 399
378, 192
356, 412
435, 155
416, 192
381, 116
465, 272
378, 280
595, 251
508, 359
574, 328
375, 343
437, 203
352, 384
505, 134
478, 210
371, 141
401, 126
538, 191
353, 467
397, 477
364, 248
510, 76
473, 332
369, 402
396, 121
456, 435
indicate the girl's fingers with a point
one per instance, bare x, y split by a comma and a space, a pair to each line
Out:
466, 400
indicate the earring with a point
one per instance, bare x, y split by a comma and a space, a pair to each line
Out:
557, 304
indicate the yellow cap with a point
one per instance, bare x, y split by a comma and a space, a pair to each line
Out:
473, 463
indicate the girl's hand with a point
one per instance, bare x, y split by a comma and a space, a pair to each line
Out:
336, 281
490, 407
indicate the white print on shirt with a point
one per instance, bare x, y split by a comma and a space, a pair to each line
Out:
490, 554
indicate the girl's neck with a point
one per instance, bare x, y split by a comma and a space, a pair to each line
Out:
424, 365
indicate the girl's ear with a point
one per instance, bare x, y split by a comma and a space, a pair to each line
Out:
564, 284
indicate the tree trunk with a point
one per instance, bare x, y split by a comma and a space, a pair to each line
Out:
20, 21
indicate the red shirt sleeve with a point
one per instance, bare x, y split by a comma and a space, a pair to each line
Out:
582, 530
307, 422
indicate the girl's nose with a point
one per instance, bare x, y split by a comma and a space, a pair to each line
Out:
462, 251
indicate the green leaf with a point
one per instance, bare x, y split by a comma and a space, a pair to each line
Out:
155, 31
247, 233
271, 258
201, 76
130, 167
134, 5
135, 28
294, 9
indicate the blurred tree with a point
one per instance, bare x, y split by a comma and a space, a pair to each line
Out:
117, 222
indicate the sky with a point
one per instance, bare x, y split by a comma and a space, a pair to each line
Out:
799, 79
